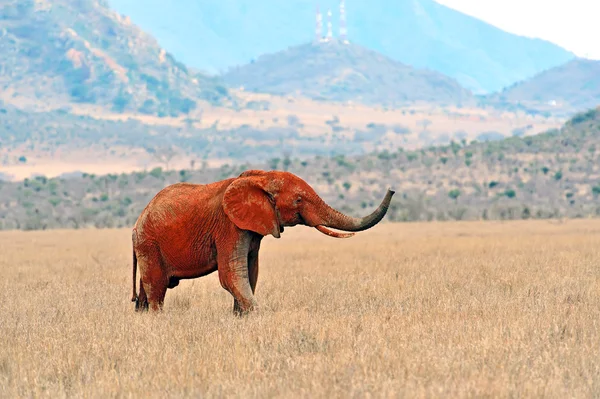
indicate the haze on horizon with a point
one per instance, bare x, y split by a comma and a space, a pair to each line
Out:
570, 24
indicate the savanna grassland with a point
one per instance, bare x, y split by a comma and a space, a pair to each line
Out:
456, 309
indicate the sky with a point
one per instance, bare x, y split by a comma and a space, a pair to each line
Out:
573, 24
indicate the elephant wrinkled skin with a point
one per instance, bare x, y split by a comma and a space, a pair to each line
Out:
191, 230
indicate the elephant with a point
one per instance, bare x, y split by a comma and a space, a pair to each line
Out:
191, 230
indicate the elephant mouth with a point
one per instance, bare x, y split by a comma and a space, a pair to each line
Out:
332, 233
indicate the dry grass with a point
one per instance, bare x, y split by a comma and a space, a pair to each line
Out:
416, 310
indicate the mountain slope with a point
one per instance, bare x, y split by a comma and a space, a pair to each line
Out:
335, 71
217, 34
574, 85
81, 51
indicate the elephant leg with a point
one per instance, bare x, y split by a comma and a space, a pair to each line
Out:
252, 277
141, 303
156, 294
153, 282
234, 276
253, 269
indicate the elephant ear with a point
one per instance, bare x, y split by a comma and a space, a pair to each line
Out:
250, 207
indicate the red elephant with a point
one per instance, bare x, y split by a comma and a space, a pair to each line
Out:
191, 230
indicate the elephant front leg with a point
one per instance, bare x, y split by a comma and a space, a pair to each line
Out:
252, 276
235, 277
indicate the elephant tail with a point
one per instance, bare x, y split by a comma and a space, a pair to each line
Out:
134, 297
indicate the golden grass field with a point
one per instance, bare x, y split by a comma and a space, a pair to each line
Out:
466, 309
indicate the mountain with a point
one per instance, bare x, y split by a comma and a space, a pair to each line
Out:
217, 34
81, 51
335, 71
573, 86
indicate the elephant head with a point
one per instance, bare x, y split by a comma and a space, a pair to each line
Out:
266, 202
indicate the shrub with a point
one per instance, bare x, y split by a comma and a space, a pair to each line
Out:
411, 156
454, 194
156, 172
385, 155
183, 176
293, 120
558, 175
274, 163
54, 201
584, 116
121, 101
399, 129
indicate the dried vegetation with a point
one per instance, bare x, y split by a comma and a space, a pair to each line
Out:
460, 309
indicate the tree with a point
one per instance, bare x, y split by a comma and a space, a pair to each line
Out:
454, 194
425, 123
273, 163
293, 121
164, 155
558, 175
189, 123
286, 160
545, 170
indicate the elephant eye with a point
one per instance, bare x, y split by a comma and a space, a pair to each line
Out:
298, 201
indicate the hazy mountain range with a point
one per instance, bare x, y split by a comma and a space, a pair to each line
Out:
572, 86
215, 35
334, 71
65, 51
83, 52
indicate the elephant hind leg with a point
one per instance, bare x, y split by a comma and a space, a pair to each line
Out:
154, 282
156, 294
141, 303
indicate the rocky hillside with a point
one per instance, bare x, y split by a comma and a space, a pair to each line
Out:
335, 71
571, 87
217, 34
552, 175
80, 51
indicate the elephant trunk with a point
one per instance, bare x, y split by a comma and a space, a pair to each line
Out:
339, 221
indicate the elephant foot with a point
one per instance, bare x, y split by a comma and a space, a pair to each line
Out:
240, 311
141, 300
141, 306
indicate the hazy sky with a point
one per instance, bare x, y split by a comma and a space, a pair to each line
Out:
573, 24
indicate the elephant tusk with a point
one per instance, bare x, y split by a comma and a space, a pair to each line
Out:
332, 233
